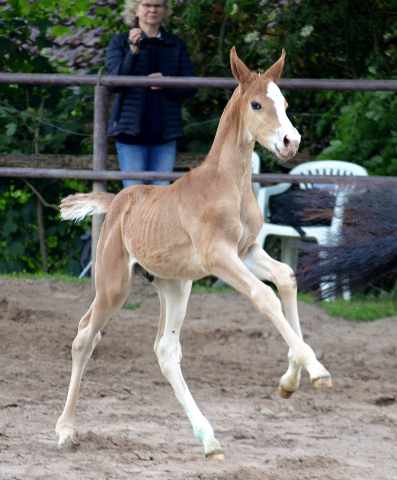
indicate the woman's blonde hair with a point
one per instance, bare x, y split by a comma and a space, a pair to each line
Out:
130, 6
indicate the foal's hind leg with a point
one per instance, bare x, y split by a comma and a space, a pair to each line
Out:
174, 296
113, 285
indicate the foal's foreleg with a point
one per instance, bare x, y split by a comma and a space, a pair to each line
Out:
230, 268
174, 296
266, 268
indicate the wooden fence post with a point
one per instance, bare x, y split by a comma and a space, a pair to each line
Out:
100, 160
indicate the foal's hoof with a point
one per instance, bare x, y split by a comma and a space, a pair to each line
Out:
284, 393
68, 443
323, 382
67, 436
216, 456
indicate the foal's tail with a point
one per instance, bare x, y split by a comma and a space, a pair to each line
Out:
76, 207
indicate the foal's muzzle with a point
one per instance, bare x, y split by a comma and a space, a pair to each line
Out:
288, 145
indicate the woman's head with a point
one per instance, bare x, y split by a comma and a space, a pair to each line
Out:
129, 12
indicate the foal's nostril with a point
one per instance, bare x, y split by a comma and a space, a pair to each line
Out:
286, 142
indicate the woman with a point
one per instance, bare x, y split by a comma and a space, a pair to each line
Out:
147, 121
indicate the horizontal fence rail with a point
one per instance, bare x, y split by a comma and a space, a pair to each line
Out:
191, 82
107, 175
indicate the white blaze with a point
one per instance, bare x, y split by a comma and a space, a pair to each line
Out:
275, 94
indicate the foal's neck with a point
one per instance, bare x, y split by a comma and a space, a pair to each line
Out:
231, 151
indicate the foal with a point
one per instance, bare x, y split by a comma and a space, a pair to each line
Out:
204, 224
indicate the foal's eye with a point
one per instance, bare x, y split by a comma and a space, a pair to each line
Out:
256, 106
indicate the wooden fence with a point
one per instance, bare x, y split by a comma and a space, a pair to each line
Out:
96, 167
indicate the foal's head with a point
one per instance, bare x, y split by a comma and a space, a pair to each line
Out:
264, 107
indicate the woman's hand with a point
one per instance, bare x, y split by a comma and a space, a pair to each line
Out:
134, 35
157, 74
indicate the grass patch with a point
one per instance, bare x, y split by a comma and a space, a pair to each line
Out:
131, 306
207, 290
358, 309
45, 276
361, 310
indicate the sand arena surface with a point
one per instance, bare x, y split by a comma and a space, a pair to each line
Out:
131, 426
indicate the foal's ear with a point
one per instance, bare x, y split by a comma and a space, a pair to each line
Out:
240, 71
274, 72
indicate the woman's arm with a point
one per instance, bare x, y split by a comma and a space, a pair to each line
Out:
119, 58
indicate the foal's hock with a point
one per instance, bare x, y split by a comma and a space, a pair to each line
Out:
203, 224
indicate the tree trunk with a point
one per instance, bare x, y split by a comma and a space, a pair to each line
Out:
41, 231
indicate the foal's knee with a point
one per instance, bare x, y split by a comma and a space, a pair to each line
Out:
265, 300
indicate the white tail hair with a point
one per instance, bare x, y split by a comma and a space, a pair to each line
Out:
76, 207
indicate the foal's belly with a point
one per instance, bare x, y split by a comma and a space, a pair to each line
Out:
170, 261
189, 270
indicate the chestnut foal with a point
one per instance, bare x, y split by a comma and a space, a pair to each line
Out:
203, 224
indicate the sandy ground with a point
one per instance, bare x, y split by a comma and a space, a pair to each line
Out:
131, 426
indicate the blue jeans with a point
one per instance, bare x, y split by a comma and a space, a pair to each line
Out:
141, 158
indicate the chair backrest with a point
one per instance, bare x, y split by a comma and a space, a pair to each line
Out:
326, 167
318, 167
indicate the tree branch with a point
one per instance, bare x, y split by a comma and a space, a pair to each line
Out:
40, 197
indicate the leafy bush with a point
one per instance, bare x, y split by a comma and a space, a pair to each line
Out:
19, 229
46, 120
366, 133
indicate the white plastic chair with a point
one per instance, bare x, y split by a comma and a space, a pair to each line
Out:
256, 164
322, 234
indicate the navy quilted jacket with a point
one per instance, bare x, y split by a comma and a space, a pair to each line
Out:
129, 103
